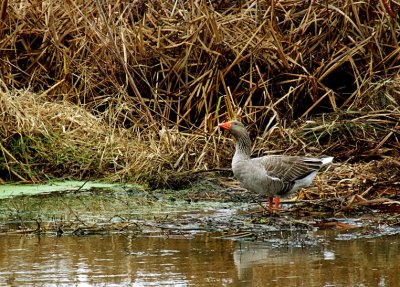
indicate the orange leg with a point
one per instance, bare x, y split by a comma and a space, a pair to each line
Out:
277, 200
270, 201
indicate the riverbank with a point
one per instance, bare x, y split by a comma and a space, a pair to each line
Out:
213, 204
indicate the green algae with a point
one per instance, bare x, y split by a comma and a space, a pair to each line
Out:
11, 190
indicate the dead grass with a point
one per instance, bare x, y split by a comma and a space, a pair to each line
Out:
356, 187
135, 90
60, 139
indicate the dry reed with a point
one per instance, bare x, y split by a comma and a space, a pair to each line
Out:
131, 90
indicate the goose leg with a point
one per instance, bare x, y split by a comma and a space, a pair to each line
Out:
277, 200
270, 201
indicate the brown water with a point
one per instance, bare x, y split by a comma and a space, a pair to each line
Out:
123, 260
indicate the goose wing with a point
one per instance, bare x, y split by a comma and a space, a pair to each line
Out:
290, 168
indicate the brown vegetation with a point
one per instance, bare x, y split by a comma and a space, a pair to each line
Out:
133, 89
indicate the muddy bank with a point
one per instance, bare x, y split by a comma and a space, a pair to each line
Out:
209, 205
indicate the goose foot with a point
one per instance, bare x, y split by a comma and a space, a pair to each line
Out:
271, 202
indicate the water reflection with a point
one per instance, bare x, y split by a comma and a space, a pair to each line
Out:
122, 260
359, 262
116, 260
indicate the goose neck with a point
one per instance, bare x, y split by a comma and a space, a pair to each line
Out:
243, 148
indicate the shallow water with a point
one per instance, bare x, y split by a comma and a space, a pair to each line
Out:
10, 190
198, 260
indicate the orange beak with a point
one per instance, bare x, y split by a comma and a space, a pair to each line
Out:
226, 125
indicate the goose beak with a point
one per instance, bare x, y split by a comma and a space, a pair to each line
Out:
226, 125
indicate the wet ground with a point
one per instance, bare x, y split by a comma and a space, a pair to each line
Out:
206, 235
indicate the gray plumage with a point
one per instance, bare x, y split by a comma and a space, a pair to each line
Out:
274, 175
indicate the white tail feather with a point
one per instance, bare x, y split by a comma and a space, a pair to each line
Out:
327, 160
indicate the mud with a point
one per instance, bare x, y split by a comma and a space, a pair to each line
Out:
207, 206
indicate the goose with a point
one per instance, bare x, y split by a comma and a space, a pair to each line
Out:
273, 175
